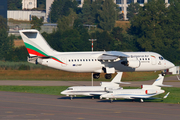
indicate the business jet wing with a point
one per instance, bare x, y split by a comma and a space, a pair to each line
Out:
146, 97
112, 55
96, 93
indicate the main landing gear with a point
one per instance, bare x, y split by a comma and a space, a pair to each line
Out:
97, 75
108, 76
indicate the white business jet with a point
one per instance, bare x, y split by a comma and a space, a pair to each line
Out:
95, 90
147, 91
97, 62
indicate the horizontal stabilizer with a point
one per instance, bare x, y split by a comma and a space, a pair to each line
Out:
122, 83
164, 85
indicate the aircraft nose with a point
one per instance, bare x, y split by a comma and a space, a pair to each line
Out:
169, 64
63, 92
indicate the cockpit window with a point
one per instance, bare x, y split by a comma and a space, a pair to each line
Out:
161, 58
70, 89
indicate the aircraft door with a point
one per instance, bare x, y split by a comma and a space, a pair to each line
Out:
153, 60
64, 62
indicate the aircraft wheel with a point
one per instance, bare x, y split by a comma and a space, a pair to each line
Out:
111, 100
108, 76
163, 73
141, 100
71, 97
96, 75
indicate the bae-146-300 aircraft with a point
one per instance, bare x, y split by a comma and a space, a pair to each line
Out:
95, 90
97, 62
147, 91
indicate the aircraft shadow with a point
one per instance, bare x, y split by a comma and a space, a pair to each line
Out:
80, 97
108, 101
128, 100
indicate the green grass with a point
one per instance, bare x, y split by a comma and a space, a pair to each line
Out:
174, 96
6, 65
50, 90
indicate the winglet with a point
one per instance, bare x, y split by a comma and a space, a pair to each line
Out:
166, 95
178, 77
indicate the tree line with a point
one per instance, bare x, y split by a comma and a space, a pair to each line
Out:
154, 27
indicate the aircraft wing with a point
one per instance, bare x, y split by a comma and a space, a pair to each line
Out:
146, 97
151, 98
97, 93
112, 55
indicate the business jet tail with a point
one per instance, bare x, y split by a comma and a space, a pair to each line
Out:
115, 82
117, 79
35, 43
157, 84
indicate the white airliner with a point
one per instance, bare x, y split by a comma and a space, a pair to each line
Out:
97, 62
95, 90
147, 91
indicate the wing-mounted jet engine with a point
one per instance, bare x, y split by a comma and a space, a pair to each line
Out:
131, 62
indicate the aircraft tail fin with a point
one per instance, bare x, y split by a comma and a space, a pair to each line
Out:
115, 82
159, 80
157, 84
117, 79
35, 43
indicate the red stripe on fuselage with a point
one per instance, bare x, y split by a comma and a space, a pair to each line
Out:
30, 51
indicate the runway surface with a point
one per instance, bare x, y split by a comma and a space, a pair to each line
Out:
172, 80
19, 106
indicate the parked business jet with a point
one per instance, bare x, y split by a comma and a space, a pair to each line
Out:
95, 90
147, 91
108, 62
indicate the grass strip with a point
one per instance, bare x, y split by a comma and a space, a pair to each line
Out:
50, 90
52, 74
174, 96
